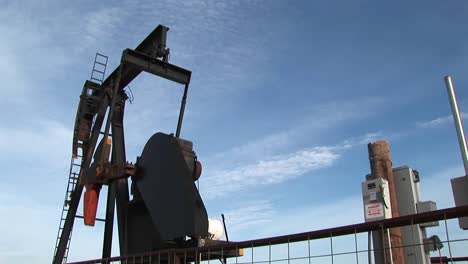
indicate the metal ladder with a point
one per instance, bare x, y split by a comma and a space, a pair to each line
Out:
75, 166
97, 76
98, 73
99, 68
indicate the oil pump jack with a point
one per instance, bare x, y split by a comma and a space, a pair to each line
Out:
166, 209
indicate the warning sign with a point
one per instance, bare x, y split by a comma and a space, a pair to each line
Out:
374, 210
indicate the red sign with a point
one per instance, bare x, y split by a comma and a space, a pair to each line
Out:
374, 210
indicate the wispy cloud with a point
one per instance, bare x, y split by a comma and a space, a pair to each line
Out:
222, 179
268, 171
361, 140
256, 149
100, 26
314, 125
48, 143
248, 215
439, 121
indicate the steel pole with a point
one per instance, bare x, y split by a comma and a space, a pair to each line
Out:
182, 110
458, 121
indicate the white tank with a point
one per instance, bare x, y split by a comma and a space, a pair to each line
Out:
215, 228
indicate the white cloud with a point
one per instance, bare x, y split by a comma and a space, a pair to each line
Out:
100, 25
439, 121
46, 141
256, 149
271, 170
222, 179
248, 215
315, 125
362, 140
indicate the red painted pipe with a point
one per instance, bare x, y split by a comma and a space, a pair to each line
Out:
91, 199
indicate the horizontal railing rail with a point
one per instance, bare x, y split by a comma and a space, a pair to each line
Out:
189, 254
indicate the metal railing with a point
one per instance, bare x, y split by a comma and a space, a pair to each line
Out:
345, 244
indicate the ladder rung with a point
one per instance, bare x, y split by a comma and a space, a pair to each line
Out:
101, 72
102, 55
94, 79
100, 63
76, 164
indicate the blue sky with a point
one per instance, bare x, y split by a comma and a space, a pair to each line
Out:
284, 97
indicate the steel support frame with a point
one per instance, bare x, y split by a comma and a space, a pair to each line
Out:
136, 60
149, 46
154, 66
117, 190
121, 185
75, 199
133, 62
